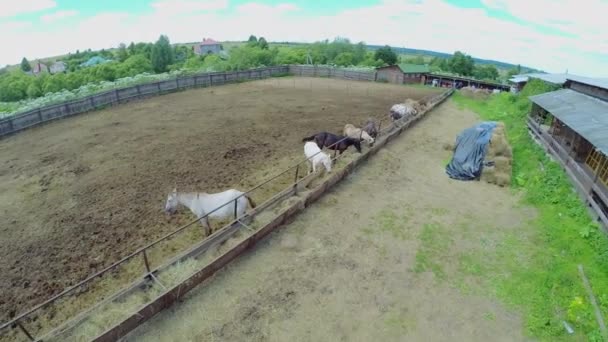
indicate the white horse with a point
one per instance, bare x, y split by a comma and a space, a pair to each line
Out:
357, 133
202, 204
316, 157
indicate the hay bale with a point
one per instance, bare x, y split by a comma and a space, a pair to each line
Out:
502, 179
502, 163
499, 152
488, 175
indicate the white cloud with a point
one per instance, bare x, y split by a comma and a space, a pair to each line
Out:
59, 15
428, 24
10, 8
172, 7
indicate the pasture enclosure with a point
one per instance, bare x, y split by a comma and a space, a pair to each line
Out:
82, 193
35, 117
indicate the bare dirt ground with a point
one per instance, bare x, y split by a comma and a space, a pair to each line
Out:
78, 194
391, 254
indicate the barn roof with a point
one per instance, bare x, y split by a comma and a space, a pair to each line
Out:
209, 41
596, 82
584, 114
413, 68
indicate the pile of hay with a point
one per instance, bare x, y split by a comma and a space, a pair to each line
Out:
475, 93
500, 154
419, 107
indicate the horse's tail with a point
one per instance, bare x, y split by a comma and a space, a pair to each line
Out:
310, 138
251, 202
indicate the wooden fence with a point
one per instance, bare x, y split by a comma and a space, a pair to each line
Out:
34, 117
42, 115
323, 71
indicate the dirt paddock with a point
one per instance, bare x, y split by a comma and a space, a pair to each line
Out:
80, 193
396, 252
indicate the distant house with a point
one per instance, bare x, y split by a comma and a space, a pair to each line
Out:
39, 68
403, 73
94, 61
207, 46
58, 67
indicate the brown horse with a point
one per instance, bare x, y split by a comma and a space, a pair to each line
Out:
370, 128
329, 140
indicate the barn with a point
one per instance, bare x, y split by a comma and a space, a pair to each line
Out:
572, 124
403, 73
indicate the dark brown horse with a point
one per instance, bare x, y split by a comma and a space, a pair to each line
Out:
326, 139
370, 128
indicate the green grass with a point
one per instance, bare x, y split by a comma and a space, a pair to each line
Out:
434, 243
537, 273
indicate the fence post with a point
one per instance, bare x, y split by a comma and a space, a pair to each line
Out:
67, 108
39, 114
146, 263
235, 211
92, 102
295, 182
138, 90
117, 97
25, 332
158, 86
10, 125
176, 82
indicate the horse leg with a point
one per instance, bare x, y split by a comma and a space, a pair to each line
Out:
207, 226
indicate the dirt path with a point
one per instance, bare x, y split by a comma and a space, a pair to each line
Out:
80, 193
390, 255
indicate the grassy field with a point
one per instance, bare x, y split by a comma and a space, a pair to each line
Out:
538, 273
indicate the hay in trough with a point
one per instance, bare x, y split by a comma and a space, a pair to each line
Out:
417, 106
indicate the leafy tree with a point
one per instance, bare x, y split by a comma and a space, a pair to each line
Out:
415, 60
371, 61
122, 54
461, 64
262, 43
487, 72
344, 59
285, 55
359, 53
25, 65
13, 86
386, 54
252, 41
54, 84
215, 63
245, 57
132, 49
162, 54
33, 91
194, 63
134, 65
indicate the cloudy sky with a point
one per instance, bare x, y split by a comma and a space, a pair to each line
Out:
553, 35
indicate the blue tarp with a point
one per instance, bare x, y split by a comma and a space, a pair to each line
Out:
470, 149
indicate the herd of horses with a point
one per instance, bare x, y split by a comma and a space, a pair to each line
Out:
224, 205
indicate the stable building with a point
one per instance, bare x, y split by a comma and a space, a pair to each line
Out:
572, 124
403, 73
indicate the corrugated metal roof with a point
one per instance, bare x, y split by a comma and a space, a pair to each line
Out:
413, 68
586, 115
596, 82
558, 79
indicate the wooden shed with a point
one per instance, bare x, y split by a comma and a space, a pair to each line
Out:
403, 73
573, 122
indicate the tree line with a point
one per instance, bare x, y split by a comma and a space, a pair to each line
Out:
161, 56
